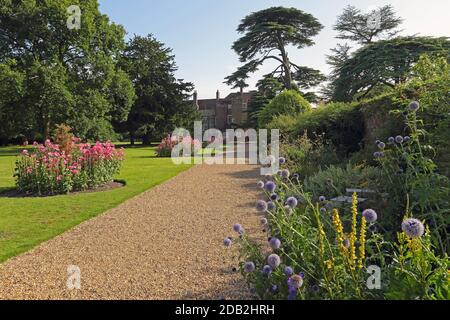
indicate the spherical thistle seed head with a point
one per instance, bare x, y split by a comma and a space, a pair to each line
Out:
261, 206
370, 215
285, 173
292, 202
282, 160
274, 260
377, 154
260, 184
382, 145
274, 197
414, 106
275, 243
267, 270
270, 186
273, 288
227, 242
377, 142
288, 271
323, 210
295, 281
381, 154
413, 228
406, 139
391, 140
249, 267
264, 221
237, 227
315, 288
295, 176
399, 139
322, 198
271, 206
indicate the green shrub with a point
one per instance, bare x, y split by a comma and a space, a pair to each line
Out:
288, 102
340, 122
306, 155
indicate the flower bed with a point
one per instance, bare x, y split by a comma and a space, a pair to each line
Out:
54, 169
316, 251
188, 144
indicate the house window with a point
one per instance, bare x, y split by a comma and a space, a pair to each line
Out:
244, 107
229, 119
230, 107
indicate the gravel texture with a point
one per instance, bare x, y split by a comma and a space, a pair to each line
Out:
163, 244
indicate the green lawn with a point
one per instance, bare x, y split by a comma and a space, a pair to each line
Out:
26, 222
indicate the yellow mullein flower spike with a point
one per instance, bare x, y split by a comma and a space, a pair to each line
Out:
352, 238
362, 242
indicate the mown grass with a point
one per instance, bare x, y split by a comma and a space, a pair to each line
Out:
26, 222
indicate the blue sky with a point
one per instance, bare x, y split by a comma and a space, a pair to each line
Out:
201, 32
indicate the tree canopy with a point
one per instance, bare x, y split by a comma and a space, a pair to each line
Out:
161, 98
266, 36
61, 74
363, 28
386, 62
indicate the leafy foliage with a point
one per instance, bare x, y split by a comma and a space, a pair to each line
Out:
273, 29
287, 102
384, 63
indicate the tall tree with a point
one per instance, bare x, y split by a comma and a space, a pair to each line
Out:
266, 36
69, 75
384, 63
161, 104
363, 28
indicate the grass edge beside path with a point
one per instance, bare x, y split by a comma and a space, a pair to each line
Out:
27, 222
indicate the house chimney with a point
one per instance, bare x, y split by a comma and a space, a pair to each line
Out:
195, 98
217, 95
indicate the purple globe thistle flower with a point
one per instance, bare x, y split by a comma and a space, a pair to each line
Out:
285, 173
273, 288
267, 270
295, 281
271, 206
270, 186
227, 242
260, 184
399, 139
237, 228
370, 215
288, 271
282, 160
249, 267
295, 176
413, 228
261, 206
381, 154
406, 139
274, 260
292, 295
315, 289
414, 106
302, 274
382, 145
377, 154
292, 202
391, 140
377, 142
264, 221
322, 198
274, 243
323, 210
274, 197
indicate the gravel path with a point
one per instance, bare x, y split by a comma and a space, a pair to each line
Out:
163, 244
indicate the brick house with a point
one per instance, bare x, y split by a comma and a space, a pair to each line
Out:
223, 113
